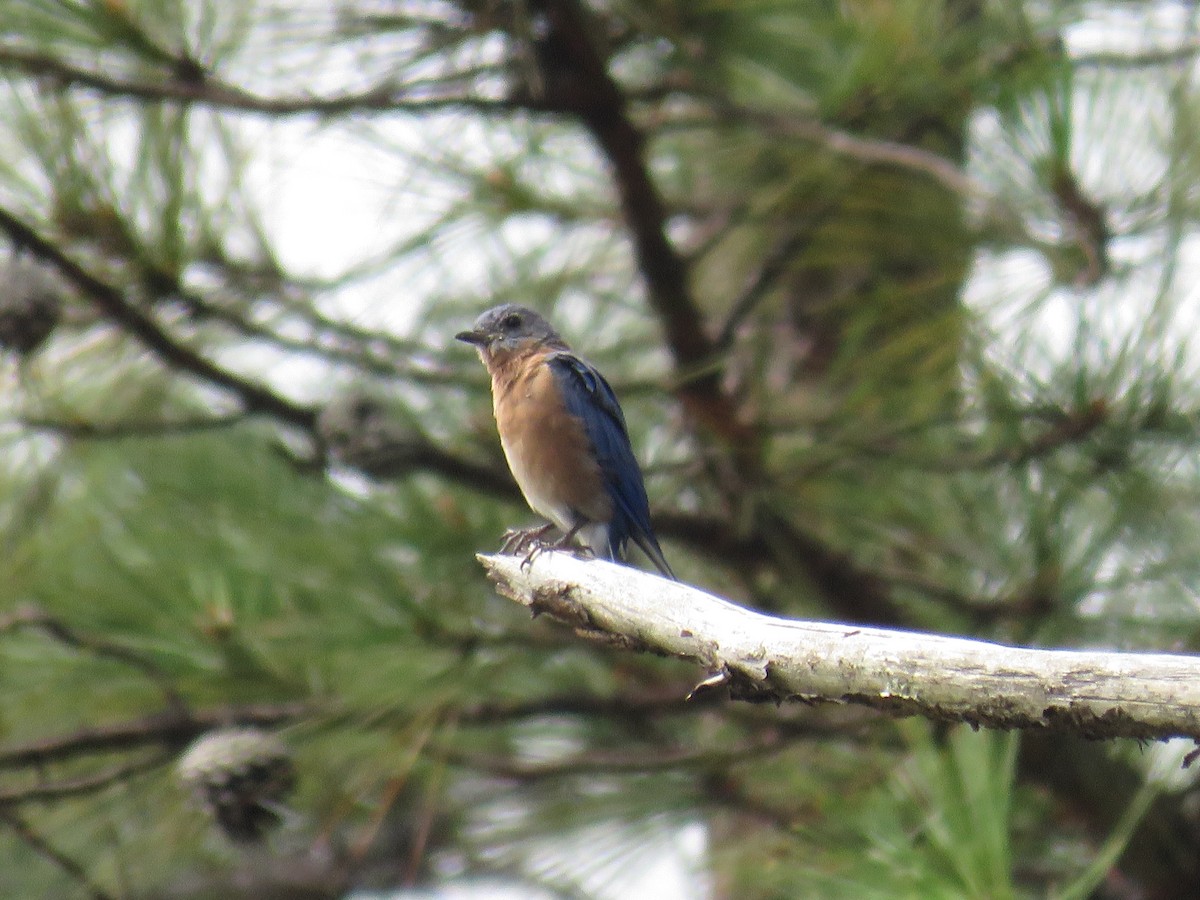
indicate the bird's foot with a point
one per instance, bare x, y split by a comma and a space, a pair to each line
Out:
530, 543
579, 551
535, 549
566, 544
517, 540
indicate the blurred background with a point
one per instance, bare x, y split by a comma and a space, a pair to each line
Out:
899, 298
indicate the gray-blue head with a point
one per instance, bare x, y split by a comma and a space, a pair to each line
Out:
509, 328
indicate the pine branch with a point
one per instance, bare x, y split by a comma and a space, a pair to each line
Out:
584, 85
172, 731
154, 337
775, 264
201, 88
43, 848
635, 707
167, 729
868, 151
78, 429
1186, 52
52, 791
31, 618
636, 762
1095, 694
374, 353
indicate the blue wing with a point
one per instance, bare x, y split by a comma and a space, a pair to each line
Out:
589, 398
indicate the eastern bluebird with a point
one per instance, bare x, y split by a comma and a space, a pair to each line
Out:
564, 435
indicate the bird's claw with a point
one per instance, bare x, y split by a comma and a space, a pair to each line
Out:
528, 542
565, 544
522, 540
580, 551
511, 538
517, 539
535, 549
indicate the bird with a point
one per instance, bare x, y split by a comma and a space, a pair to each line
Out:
564, 437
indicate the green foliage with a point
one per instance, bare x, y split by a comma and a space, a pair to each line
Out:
942, 252
942, 827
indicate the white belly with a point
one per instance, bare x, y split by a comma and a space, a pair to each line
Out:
594, 535
528, 483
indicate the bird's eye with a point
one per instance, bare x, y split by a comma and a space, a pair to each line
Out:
511, 321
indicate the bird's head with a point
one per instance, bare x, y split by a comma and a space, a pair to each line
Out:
509, 329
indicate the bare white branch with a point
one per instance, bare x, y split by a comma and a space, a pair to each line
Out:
1093, 693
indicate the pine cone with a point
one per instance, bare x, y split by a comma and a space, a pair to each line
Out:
30, 305
241, 776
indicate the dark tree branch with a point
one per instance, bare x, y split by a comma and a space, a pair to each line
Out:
634, 707
97, 431
576, 77
635, 762
198, 87
853, 592
174, 732
330, 341
774, 265
1064, 428
168, 729
43, 848
208, 91
30, 617
1166, 56
724, 791
51, 791
1087, 224
425, 456
868, 151
1073, 428
112, 302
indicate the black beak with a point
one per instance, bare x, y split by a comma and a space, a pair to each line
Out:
478, 338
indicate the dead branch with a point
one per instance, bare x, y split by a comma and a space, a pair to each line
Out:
1095, 694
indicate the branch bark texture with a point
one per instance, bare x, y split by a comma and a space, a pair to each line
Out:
1096, 694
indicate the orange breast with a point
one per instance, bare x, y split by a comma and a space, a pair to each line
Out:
547, 449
